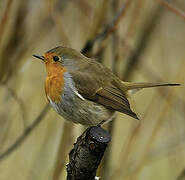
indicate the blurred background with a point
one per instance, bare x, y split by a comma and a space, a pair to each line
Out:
139, 40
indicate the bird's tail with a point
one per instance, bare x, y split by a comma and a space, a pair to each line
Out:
134, 87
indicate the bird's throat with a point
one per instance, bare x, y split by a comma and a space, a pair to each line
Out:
54, 83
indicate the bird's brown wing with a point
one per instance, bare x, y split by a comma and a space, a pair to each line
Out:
100, 87
113, 98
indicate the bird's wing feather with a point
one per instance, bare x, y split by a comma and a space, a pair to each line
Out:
113, 98
99, 86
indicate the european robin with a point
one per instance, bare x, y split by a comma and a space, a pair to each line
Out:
84, 91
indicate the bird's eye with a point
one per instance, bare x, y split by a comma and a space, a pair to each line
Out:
55, 58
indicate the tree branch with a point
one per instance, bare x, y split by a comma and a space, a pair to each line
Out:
172, 8
134, 58
111, 27
25, 134
87, 153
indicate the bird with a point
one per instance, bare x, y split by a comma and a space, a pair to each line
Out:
84, 91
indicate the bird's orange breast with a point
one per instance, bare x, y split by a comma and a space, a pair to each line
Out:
54, 84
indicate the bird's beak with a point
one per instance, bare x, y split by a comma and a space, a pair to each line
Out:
39, 57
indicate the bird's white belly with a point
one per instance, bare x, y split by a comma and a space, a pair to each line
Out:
75, 108
82, 111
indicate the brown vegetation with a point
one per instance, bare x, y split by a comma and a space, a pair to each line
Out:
140, 41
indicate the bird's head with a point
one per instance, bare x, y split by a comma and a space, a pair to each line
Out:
62, 56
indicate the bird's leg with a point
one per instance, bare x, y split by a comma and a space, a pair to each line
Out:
101, 123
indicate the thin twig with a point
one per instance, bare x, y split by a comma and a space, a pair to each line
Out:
25, 134
132, 27
172, 8
134, 58
181, 176
111, 27
84, 7
18, 100
133, 61
99, 18
5, 17
16, 44
160, 120
106, 165
134, 134
62, 150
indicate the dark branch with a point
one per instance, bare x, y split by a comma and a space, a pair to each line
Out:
87, 153
18, 101
111, 27
25, 134
181, 175
134, 59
